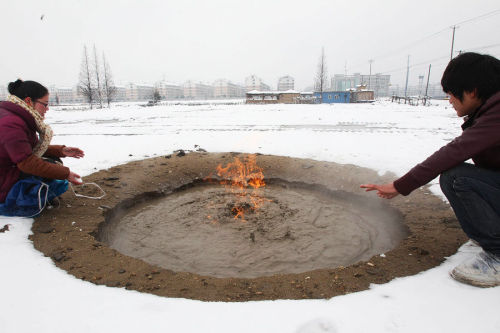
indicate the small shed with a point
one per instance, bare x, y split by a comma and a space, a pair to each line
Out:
362, 96
272, 97
307, 98
333, 97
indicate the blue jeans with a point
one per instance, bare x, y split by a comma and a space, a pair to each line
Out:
474, 195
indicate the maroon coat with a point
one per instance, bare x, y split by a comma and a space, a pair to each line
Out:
480, 141
17, 139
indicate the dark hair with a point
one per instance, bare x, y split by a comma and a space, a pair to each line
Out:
23, 89
472, 72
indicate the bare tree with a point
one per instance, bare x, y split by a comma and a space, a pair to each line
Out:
98, 90
320, 81
109, 88
85, 86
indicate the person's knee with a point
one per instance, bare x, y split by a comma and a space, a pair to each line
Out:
448, 178
463, 184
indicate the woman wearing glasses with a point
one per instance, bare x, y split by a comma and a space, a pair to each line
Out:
27, 158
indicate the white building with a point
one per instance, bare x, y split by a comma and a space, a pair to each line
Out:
169, 90
286, 83
253, 82
120, 94
139, 92
197, 90
226, 89
377, 82
65, 95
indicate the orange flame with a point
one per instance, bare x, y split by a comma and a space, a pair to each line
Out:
239, 176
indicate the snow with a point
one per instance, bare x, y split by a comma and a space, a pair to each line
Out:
38, 297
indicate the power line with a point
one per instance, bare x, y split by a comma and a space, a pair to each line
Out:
415, 65
418, 41
484, 47
492, 13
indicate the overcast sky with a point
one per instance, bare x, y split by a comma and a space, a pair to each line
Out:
149, 40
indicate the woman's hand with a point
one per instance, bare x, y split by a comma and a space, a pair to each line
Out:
73, 152
73, 178
387, 191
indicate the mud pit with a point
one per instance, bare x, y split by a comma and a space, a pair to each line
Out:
298, 228
162, 229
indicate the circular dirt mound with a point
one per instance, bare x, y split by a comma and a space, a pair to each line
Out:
298, 227
162, 228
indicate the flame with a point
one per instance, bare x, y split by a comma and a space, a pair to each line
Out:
239, 176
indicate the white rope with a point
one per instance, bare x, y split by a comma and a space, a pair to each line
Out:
42, 185
84, 196
40, 207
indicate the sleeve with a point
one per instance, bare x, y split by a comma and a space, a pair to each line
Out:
482, 135
54, 151
34, 165
15, 141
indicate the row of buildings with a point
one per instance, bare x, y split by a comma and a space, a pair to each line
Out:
169, 91
220, 89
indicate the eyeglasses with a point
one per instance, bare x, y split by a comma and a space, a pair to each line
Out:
44, 104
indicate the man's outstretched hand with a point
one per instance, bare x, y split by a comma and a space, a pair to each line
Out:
386, 191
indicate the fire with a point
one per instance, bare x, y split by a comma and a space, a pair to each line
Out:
243, 178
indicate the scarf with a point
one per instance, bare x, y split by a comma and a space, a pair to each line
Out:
44, 131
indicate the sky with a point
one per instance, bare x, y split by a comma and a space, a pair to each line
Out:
150, 40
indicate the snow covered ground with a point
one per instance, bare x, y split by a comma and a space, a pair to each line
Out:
36, 296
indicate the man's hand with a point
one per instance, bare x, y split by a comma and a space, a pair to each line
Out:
73, 152
387, 191
74, 178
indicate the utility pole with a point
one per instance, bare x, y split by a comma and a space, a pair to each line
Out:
407, 74
427, 86
370, 77
452, 41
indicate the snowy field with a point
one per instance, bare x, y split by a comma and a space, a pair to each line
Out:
38, 297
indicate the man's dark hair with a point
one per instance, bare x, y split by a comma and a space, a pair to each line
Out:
31, 89
472, 72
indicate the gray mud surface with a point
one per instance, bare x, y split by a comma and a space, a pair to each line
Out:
297, 228
162, 229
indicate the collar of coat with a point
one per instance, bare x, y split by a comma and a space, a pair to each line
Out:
44, 130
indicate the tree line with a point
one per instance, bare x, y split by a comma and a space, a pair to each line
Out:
96, 81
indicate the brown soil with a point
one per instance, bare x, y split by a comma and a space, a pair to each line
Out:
76, 234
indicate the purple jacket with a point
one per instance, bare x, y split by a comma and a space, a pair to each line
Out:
480, 140
17, 139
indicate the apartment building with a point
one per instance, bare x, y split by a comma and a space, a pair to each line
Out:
286, 83
169, 91
120, 94
64, 95
226, 89
138, 92
254, 82
197, 90
377, 82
